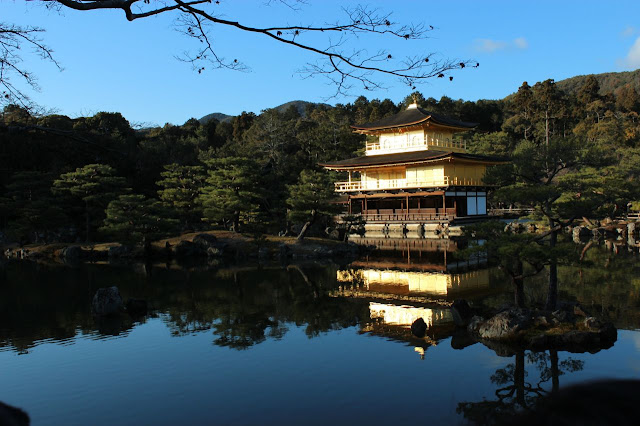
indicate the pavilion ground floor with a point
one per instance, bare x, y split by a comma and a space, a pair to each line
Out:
418, 207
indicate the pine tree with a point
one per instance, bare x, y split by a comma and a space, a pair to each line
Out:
93, 185
310, 199
232, 190
135, 219
181, 187
31, 207
522, 106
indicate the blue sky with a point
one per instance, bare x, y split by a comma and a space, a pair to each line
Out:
111, 64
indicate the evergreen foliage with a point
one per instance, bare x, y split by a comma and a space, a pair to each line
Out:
310, 199
30, 207
181, 187
574, 153
232, 191
93, 187
133, 218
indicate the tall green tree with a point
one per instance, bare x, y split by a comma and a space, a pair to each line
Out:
92, 186
522, 113
310, 199
232, 190
135, 219
31, 208
181, 187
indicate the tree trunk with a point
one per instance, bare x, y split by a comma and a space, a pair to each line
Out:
552, 292
87, 221
555, 371
518, 379
236, 222
518, 284
303, 231
546, 127
519, 292
306, 227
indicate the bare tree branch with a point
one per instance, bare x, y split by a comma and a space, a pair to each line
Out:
13, 39
341, 67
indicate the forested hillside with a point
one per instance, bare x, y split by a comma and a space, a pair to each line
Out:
609, 82
300, 106
96, 178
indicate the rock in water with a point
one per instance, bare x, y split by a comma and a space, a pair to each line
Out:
474, 324
71, 253
119, 251
461, 312
205, 240
137, 307
419, 328
107, 301
592, 323
505, 325
186, 249
12, 416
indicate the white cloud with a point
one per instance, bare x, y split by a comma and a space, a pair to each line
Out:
628, 32
487, 45
521, 43
632, 61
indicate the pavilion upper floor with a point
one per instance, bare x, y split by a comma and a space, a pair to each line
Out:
417, 170
413, 129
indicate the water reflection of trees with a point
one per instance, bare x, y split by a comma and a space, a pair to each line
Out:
241, 306
606, 283
514, 393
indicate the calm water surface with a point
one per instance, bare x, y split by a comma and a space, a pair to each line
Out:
312, 343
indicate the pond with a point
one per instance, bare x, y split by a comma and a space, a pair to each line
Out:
311, 343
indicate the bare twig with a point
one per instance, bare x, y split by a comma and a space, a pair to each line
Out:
13, 40
343, 68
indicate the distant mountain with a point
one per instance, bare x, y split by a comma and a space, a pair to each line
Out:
301, 106
609, 81
216, 115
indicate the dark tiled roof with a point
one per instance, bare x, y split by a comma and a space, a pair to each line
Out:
408, 157
411, 116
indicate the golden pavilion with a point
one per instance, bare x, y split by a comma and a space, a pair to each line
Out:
415, 170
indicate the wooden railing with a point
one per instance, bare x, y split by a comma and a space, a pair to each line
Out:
405, 183
463, 181
413, 215
359, 185
373, 148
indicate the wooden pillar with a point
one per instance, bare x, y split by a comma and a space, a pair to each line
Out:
444, 203
455, 206
407, 207
349, 206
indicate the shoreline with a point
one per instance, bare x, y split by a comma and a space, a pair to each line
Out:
193, 245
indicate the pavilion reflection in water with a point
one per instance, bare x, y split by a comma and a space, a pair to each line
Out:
417, 268
408, 279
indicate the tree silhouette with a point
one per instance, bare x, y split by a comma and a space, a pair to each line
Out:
515, 393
